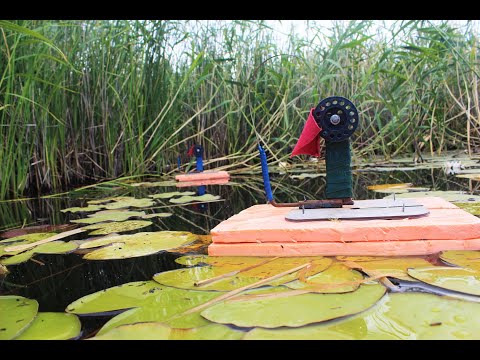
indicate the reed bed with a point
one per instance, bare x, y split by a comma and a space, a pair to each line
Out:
88, 101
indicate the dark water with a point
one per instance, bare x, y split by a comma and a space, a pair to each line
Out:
65, 278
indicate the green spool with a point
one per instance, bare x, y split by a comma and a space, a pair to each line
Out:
339, 172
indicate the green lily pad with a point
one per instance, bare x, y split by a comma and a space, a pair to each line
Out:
464, 258
452, 196
154, 183
52, 326
294, 311
160, 215
88, 208
400, 316
191, 260
471, 207
54, 247
135, 245
109, 215
3, 246
108, 228
394, 267
128, 201
28, 238
159, 331
463, 280
337, 278
202, 198
167, 306
169, 195
16, 313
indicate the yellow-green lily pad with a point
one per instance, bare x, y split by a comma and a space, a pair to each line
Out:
160, 331
471, 207
398, 316
452, 196
136, 245
337, 278
169, 195
16, 314
462, 280
394, 267
116, 227
154, 183
54, 247
159, 215
202, 198
294, 311
88, 208
52, 326
28, 238
464, 258
192, 260
109, 215
128, 201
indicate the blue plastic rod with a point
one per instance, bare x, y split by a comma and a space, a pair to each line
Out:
266, 177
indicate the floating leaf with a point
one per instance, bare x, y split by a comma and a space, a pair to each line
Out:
201, 198
471, 207
452, 196
135, 245
160, 215
464, 258
294, 311
191, 260
127, 201
155, 183
3, 246
406, 316
109, 215
108, 228
88, 208
35, 230
395, 267
337, 278
159, 331
169, 195
474, 177
463, 280
390, 186
28, 237
52, 326
199, 246
16, 313
306, 176
54, 247
3, 270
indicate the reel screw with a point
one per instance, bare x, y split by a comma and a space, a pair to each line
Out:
335, 119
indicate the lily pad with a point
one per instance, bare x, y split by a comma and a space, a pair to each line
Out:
36, 229
464, 258
401, 316
202, 198
160, 215
54, 247
3, 270
88, 208
159, 331
109, 215
52, 326
199, 246
337, 278
306, 176
28, 237
191, 260
108, 228
462, 280
397, 188
169, 195
128, 201
154, 183
452, 196
471, 207
390, 186
294, 311
136, 245
16, 313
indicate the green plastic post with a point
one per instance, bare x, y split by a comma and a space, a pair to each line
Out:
339, 173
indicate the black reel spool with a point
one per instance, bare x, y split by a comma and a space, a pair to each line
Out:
337, 117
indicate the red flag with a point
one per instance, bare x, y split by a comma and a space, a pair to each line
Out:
190, 151
309, 140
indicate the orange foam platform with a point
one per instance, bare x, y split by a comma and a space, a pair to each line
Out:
262, 230
204, 175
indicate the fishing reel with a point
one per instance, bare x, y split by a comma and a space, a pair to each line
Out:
337, 117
